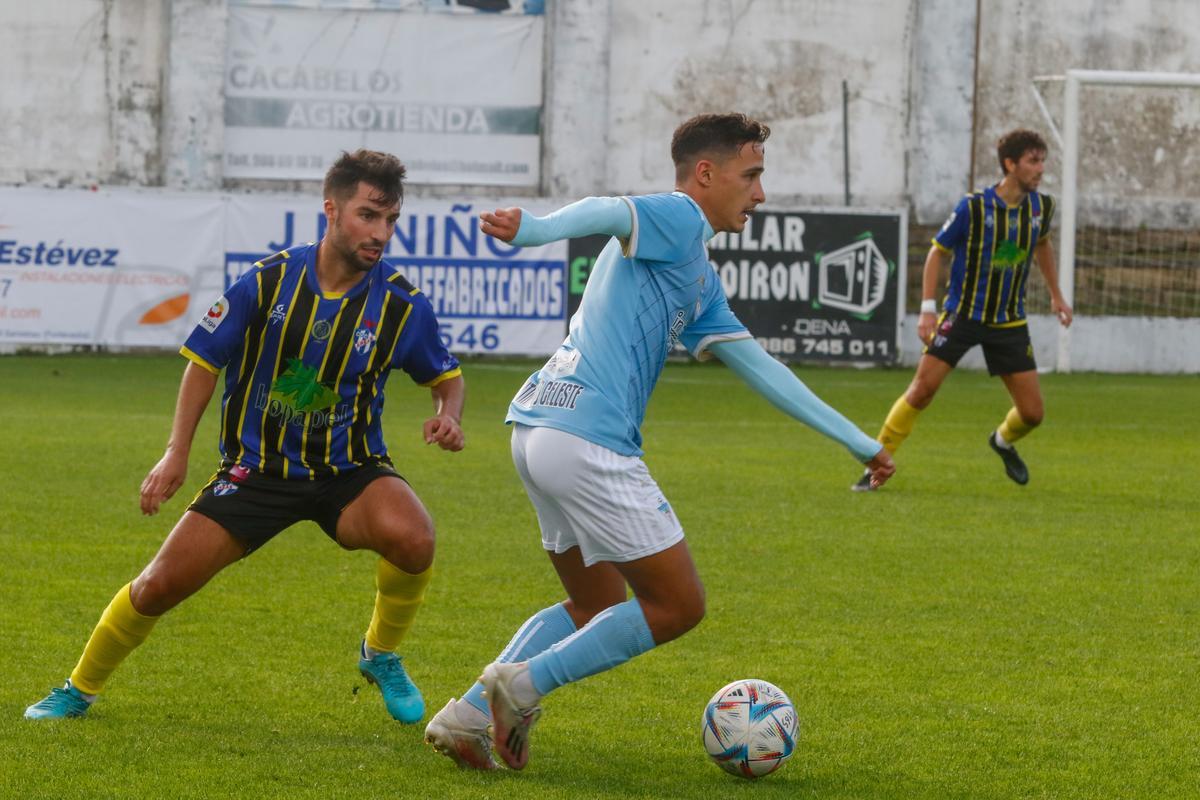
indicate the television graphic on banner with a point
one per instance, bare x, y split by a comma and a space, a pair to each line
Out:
815, 286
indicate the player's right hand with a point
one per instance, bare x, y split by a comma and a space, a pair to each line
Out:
926, 323
502, 224
882, 467
163, 481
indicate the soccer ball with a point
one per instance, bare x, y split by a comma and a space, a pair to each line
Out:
750, 728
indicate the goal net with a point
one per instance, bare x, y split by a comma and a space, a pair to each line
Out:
1129, 218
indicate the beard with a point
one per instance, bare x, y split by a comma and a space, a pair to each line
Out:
352, 256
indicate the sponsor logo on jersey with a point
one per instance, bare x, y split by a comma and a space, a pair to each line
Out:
1009, 254
215, 315
558, 394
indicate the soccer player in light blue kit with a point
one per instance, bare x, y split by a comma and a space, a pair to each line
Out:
576, 441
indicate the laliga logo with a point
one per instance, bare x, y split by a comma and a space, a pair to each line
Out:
853, 278
215, 315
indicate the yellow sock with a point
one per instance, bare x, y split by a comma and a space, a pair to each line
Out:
1013, 427
398, 596
120, 629
898, 425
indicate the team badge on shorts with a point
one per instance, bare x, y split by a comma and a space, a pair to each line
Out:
944, 330
223, 488
665, 508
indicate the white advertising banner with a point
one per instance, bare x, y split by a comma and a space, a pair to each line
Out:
126, 268
457, 97
113, 267
489, 297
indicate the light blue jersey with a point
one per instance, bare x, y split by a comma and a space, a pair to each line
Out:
644, 295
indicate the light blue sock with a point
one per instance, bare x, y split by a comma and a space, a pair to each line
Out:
543, 629
614, 636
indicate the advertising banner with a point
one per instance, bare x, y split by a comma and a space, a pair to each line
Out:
105, 267
130, 268
302, 84
489, 297
811, 285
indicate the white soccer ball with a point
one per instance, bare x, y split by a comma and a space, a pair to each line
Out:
750, 728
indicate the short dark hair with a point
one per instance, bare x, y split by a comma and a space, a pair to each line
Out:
1015, 144
716, 135
382, 171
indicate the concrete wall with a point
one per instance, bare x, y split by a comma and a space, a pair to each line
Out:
82, 95
1140, 150
781, 61
130, 92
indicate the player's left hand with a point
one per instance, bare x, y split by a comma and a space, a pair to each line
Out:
446, 431
1062, 311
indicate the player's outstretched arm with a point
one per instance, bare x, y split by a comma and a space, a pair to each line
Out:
445, 426
607, 216
165, 478
780, 386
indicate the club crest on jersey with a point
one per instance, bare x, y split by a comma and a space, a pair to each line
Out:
223, 488
215, 315
364, 339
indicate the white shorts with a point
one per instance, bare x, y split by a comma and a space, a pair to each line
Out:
590, 497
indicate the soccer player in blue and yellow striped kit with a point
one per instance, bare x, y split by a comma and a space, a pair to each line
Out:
990, 241
306, 339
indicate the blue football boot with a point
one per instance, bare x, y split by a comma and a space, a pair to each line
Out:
402, 697
62, 702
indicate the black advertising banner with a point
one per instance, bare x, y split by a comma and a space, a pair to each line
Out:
814, 286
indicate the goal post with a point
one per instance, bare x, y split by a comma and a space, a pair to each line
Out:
1073, 81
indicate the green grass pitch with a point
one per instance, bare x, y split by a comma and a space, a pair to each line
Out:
953, 636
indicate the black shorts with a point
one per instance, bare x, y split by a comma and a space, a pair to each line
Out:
254, 507
1005, 350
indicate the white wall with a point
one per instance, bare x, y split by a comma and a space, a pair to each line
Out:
782, 61
939, 142
130, 91
82, 92
1141, 148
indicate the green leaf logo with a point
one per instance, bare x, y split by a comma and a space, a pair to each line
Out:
1009, 255
299, 388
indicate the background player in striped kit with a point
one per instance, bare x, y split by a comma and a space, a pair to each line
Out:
576, 439
989, 240
306, 339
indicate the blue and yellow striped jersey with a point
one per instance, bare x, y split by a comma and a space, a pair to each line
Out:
993, 252
305, 371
